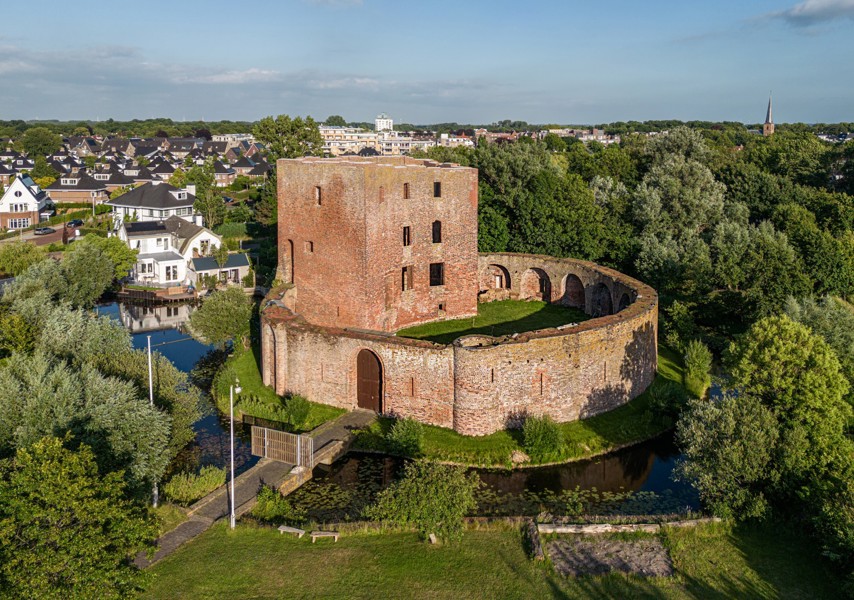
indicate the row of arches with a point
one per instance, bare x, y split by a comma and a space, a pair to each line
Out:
535, 283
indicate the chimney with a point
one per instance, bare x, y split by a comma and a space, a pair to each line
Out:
191, 189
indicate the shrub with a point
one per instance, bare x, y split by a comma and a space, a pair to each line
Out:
667, 398
542, 438
186, 488
698, 365
272, 507
231, 230
431, 497
406, 436
249, 279
297, 409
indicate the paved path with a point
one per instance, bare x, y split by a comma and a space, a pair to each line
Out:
216, 505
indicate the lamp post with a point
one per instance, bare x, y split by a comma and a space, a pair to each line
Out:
234, 387
154, 493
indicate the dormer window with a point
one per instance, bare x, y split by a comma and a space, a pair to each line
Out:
181, 195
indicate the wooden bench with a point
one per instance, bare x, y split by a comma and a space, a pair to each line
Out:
317, 534
285, 529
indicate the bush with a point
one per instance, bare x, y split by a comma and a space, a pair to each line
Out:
667, 398
698, 366
272, 507
542, 438
231, 230
431, 497
406, 437
186, 488
249, 279
297, 409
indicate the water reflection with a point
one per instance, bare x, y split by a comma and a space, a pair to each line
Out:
165, 325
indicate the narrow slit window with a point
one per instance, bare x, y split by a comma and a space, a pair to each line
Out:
437, 189
406, 278
382, 194
407, 237
406, 191
437, 274
309, 247
318, 195
437, 232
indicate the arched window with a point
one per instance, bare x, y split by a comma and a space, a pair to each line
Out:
437, 232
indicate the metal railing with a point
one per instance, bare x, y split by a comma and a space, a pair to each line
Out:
297, 450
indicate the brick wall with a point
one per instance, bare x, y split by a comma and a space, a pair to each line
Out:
344, 219
481, 384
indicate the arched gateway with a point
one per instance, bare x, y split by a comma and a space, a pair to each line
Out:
369, 381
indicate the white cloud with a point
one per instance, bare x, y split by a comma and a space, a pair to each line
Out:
252, 75
811, 12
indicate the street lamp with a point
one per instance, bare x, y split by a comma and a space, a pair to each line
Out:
154, 493
235, 387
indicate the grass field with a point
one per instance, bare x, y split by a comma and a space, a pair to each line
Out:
258, 400
504, 317
712, 561
632, 422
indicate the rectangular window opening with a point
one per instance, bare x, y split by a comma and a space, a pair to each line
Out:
437, 189
318, 197
309, 247
437, 232
407, 238
406, 191
441, 307
437, 274
406, 278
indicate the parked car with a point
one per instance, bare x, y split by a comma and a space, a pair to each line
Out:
74, 223
44, 230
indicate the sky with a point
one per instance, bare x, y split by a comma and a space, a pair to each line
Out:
431, 61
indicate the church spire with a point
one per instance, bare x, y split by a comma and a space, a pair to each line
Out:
768, 127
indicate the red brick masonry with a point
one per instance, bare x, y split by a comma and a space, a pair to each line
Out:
479, 384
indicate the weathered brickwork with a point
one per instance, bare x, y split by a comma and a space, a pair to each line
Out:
342, 242
355, 276
480, 384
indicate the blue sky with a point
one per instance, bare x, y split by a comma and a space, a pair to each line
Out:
561, 61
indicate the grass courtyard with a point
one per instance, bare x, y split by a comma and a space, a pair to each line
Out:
503, 317
710, 561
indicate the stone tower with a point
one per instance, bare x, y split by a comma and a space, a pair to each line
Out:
378, 243
768, 127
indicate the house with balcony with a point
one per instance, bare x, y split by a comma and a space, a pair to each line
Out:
155, 201
166, 249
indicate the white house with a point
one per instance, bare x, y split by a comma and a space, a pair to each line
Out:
155, 201
166, 250
23, 204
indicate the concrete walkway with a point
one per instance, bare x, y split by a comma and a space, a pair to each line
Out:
331, 440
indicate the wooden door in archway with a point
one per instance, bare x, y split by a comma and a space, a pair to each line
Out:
369, 381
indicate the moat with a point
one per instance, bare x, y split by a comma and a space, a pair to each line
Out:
634, 480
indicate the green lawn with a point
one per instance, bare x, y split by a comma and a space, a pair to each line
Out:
496, 319
169, 516
630, 423
253, 562
259, 400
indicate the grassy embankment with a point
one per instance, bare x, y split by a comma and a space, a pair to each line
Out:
633, 422
711, 561
258, 400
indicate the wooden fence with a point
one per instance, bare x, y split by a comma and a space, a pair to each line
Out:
297, 450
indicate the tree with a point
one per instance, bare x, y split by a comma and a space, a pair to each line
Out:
42, 170
118, 252
40, 141
209, 203
223, 317
431, 497
289, 138
178, 178
89, 271
67, 530
18, 256
335, 121
728, 447
797, 375
267, 207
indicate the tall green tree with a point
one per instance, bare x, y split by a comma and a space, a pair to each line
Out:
18, 256
211, 206
66, 529
119, 254
335, 121
223, 317
287, 137
40, 141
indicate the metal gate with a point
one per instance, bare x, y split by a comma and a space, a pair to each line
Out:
297, 450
